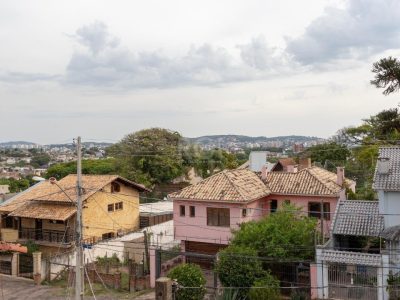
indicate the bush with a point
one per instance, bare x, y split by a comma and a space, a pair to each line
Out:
265, 288
239, 266
190, 276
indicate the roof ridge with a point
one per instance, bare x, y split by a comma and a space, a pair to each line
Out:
232, 184
321, 181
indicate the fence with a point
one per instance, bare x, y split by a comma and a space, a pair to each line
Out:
294, 277
5, 264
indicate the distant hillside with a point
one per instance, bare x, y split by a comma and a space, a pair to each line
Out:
242, 139
16, 143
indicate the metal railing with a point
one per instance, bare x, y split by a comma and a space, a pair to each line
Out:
52, 236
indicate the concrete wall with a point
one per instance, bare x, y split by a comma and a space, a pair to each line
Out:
98, 221
9, 235
389, 205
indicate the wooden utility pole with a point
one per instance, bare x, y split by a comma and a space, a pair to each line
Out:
146, 249
79, 274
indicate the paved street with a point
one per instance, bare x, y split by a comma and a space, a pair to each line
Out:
12, 288
20, 288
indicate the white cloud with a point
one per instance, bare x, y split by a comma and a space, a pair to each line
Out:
362, 28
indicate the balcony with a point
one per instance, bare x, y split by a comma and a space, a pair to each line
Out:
45, 236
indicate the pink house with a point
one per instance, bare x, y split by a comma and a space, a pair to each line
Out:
206, 213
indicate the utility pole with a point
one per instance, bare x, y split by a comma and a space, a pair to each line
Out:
79, 278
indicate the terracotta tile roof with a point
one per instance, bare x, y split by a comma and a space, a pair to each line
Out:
45, 191
287, 162
238, 185
358, 218
391, 180
309, 181
45, 210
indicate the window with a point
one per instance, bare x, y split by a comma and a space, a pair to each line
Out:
110, 207
119, 206
244, 212
218, 217
9, 222
182, 210
314, 210
115, 187
192, 211
273, 206
327, 211
108, 235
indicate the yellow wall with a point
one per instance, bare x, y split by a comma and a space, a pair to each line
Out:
9, 235
97, 220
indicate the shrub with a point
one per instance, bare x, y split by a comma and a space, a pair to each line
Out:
239, 266
265, 288
190, 276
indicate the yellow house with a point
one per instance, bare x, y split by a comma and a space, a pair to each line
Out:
46, 213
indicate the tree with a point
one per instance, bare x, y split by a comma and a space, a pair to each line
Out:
239, 266
387, 75
332, 152
149, 156
99, 167
266, 287
191, 277
15, 186
40, 159
286, 234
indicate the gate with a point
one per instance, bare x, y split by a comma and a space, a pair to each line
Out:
26, 265
352, 282
5, 264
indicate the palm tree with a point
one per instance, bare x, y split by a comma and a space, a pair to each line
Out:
387, 75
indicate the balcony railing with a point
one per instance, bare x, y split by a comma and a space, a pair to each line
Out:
45, 235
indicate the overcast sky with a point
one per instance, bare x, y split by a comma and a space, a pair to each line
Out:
103, 69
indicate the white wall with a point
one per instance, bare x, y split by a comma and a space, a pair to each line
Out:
389, 206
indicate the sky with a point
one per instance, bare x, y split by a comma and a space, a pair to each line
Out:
103, 69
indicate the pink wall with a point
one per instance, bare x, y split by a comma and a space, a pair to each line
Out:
196, 228
302, 201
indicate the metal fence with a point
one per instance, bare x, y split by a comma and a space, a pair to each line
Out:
294, 277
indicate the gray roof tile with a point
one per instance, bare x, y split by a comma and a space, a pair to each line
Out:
359, 218
390, 181
351, 258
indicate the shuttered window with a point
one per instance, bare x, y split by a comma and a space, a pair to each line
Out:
218, 217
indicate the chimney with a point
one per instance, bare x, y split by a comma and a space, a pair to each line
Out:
292, 168
305, 163
383, 166
264, 173
340, 175
257, 160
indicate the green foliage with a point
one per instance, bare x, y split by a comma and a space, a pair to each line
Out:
100, 166
332, 153
191, 276
112, 261
32, 246
229, 294
40, 159
149, 156
16, 186
387, 75
239, 266
286, 234
266, 287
